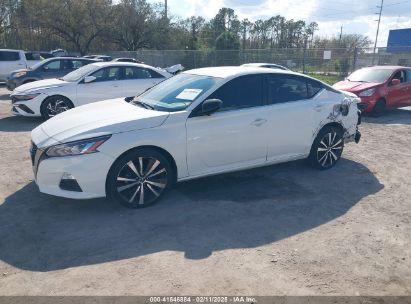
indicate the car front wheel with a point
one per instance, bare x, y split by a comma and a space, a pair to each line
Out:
139, 178
55, 105
327, 148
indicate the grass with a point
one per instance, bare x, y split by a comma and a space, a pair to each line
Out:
330, 79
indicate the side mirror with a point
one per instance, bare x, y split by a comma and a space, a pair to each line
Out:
395, 81
89, 79
210, 106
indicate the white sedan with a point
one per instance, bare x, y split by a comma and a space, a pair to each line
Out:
94, 82
198, 123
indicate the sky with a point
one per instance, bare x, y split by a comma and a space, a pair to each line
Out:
356, 17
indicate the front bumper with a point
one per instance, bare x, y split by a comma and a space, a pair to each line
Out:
27, 107
90, 173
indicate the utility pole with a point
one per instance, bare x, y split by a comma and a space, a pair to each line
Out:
378, 26
341, 35
165, 8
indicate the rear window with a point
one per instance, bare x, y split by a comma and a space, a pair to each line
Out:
9, 56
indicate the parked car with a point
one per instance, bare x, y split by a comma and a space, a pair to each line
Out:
90, 83
197, 123
11, 60
49, 68
37, 56
266, 65
127, 60
379, 87
99, 57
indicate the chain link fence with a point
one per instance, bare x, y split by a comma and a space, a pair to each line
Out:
318, 61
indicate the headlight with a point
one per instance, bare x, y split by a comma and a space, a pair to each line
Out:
29, 96
367, 93
79, 147
19, 74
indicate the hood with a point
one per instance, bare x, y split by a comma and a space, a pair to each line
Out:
20, 70
353, 86
41, 85
100, 118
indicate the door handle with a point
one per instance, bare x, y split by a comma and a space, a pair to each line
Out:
259, 122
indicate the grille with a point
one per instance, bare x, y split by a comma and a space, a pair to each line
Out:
33, 151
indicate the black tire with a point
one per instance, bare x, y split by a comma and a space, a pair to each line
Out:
55, 105
327, 148
379, 108
140, 178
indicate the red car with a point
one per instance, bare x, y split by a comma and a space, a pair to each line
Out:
379, 87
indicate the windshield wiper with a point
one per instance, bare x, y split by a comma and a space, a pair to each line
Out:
143, 104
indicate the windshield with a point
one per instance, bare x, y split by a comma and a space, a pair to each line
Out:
370, 75
76, 75
177, 93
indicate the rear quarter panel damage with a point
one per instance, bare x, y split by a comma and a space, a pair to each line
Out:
342, 109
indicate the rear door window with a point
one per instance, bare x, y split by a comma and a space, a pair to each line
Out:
9, 56
136, 73
286, 88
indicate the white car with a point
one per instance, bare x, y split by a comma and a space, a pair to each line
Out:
198, 123
90, 83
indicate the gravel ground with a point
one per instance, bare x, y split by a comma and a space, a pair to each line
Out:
281, 230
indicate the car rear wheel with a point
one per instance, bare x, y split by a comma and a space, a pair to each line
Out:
139, 178
327, 148
55, 105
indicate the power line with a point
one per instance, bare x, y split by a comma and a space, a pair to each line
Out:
378, 26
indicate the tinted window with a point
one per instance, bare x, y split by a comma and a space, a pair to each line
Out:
9, 56
107, 74
154, 74
136, 73
283, 88
32, 56
52, 65
241, 92
313, 87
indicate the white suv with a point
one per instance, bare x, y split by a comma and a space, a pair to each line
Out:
11, 60
200, 122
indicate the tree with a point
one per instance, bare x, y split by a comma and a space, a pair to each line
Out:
134, 23
227, 41
78, 22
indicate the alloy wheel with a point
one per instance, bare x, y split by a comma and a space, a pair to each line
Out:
141, 180
56, 106
329, 149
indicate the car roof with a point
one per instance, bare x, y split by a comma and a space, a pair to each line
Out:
119, 63
13, 50
259, 64
229, 71
386, 67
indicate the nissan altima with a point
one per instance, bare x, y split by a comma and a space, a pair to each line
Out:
198, 123
90, 83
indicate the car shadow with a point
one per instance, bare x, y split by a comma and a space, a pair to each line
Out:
245, 209
19, 124
396, 116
